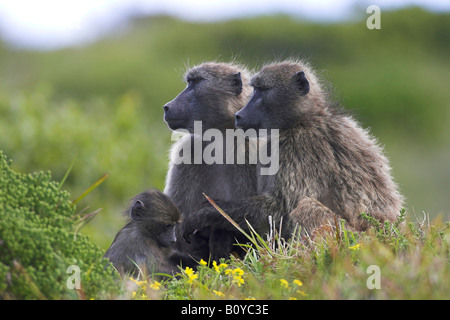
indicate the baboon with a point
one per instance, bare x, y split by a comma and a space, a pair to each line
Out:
147, 239
214, 93
328, 165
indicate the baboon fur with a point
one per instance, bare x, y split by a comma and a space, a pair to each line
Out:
146, 242
215, 92
328, 165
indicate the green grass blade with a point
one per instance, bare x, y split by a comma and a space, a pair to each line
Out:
67, 172
226, 216
92, 187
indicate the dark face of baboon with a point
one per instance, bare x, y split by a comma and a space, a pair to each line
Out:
214, 92
156, 216
277, 91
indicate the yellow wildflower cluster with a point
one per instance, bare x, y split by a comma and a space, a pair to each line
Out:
219, 267
218, 293
141, 289
355, 247
296, 285
236, 276
191, 274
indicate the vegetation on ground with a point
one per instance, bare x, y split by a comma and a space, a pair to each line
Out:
96, 111
390, 261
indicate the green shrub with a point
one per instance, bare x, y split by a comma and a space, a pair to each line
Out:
38, 242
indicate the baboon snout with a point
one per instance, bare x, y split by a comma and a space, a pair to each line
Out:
237, 120
166, 108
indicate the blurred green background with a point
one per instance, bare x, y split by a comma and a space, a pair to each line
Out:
100, 105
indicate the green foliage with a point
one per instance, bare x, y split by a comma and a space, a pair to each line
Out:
97, 110
99, 135
332, 263
38, 244
101, 104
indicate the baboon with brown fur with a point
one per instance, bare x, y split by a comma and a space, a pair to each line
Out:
328, 164
214, 93
146, 242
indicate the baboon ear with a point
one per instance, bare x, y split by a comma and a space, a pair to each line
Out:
302, 82
237, 83
137, 210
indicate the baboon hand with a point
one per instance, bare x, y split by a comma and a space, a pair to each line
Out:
200, 220
187, 231
189, 226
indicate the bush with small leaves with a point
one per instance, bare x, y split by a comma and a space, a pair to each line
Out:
38, 242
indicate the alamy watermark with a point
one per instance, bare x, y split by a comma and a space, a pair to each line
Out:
74, 281
374, 20
374, 280
237, 144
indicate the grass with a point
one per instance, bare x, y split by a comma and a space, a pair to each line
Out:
95, 111
390, 261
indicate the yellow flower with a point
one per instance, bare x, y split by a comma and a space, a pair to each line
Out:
237, 275
137, 282
189, 271
155, 285
301, 293
238, 280
203, 262
192, 277
219, 267
238, 272
292, 298
191, 274
218, 293
284, 283
250, 298
297, 282
355, 247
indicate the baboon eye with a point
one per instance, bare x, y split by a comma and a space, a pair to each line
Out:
193, 80
262, 88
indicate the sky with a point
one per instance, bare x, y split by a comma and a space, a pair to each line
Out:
49, 24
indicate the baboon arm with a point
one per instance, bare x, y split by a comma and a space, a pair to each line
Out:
255, 210
310, 214
220, 244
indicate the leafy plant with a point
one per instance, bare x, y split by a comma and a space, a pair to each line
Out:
38, 242
332, 263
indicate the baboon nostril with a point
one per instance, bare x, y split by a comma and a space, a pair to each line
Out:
166, 108
237, 116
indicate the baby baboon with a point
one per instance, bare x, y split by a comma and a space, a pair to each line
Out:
328, 163
146, 241
214, 93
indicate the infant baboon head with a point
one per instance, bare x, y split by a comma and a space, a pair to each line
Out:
284, 93
214, 92
156, 216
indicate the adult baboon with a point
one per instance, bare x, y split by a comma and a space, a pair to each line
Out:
147, 239
328, 163
214, 93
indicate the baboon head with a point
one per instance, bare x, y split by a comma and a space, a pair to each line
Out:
214, 92
284, 93
156, 216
